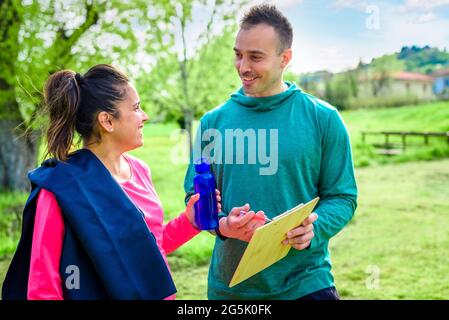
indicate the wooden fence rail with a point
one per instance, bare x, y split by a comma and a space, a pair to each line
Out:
403, 135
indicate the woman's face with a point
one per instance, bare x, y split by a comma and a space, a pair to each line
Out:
128, 128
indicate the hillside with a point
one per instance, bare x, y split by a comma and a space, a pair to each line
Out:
412, 59
424, 59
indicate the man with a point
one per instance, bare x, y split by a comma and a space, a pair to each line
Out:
309, 156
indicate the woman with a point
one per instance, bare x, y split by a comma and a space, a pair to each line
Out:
93, 224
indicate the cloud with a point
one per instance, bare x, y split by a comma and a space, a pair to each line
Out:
280, 4
310, 58
417, 28
426, 17
350, 4
421, 11
286, 4
426, 5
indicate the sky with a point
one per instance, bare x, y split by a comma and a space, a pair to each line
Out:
335, 34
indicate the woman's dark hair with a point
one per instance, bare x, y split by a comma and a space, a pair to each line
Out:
73, 102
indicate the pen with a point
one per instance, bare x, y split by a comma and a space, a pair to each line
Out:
242, 213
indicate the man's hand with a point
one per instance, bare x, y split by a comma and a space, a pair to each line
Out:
241, 223
300, 237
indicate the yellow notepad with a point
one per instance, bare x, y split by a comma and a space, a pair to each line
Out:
265, 247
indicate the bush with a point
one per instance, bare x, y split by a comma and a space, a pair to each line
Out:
11, 207
381, 102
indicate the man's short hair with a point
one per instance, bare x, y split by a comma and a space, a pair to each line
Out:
270, 15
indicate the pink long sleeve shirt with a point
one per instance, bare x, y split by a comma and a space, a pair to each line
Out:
44, 280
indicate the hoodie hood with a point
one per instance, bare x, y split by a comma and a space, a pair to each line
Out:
265, 103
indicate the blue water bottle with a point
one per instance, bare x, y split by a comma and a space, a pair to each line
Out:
206, 212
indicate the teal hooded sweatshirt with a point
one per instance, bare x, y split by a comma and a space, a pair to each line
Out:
274, 153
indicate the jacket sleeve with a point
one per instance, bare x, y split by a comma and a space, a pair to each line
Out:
177, 232
44, 282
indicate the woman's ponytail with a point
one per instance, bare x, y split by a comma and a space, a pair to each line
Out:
62, 99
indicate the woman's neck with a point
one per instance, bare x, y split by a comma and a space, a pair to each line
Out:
112, 160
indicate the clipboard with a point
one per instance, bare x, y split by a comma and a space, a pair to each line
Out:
265, 247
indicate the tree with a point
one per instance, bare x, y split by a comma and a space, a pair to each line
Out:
341, 88
44, 36
195, 73
381, 71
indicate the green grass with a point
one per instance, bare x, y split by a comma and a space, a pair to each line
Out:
400, 227
4, 263
191, 282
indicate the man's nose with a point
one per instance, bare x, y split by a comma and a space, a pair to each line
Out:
244, 66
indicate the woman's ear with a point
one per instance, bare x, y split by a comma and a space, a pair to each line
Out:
104, 120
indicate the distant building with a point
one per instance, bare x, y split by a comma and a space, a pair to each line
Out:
397, 84
441, 84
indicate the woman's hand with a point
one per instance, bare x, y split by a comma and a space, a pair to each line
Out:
217, 194
190, 209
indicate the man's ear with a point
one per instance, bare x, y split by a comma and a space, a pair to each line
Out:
286, 57
104, 121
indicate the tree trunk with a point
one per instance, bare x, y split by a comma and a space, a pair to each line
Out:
18, 154
181, 122
17, 150
188, 120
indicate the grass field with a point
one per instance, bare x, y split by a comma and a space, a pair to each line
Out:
400, 230
396, 246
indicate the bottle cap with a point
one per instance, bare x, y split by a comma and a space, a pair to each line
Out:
202, 165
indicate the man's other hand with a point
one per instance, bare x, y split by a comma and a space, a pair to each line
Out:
300, 237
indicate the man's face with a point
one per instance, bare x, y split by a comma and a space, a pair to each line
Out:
258, 61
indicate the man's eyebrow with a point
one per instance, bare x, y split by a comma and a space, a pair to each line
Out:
136, 104
251, 51
256, 52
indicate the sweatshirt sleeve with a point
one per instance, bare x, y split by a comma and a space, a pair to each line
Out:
177, 232
44, 281
337, 185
